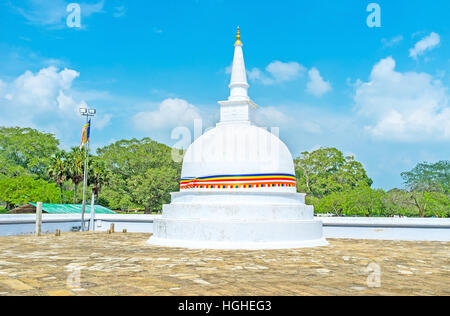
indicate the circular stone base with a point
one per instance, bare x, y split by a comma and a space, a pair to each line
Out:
237, 220
154, 241
237, 234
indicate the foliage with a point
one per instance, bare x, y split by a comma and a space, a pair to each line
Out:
98, 175
10, 169
326, 170
431, 203
74, 166
438, 205
142, 174
429, 177
24, 189
57, 170
339, 185
152, 189
376, 203
27, 149
363, 201
67, 197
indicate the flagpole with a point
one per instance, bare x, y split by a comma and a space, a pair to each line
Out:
88, 113
86, 157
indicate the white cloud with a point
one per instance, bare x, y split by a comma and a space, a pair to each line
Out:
427, 43
44, 100
120, 11
52, 13
41, 91
316, 85
67, 103
285, 71
403, 106
270, 117
277, 72
101, 122
171, 113
88, 9
389, 42
44, 12
257, 75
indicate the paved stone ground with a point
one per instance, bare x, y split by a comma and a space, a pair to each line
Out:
122, 264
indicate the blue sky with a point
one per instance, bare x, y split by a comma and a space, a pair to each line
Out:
317, 70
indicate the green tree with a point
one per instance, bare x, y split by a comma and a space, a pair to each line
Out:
57, 170
152, 189
362, 201
398, 202
431, 204
429, 177
132, 165
74, 166
10, 169
24, 189
438, 204
428, 185
98, 175
333, 203
28, 148
327, 170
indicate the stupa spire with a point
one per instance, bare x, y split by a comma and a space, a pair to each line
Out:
238, 85
238, 109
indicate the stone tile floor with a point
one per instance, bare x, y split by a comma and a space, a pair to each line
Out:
122, 264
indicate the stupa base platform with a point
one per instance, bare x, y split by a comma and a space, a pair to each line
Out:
236, 245
237, 234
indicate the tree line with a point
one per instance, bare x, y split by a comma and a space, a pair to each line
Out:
140, 174
339, 185
125, 175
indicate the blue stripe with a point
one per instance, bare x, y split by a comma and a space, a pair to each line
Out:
88, 134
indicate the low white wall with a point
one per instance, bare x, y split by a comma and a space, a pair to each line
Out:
24, 224
426, 229
132, 223
408, 229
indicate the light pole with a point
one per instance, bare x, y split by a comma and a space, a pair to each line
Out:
88, 113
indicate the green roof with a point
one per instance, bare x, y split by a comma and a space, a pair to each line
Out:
72, 209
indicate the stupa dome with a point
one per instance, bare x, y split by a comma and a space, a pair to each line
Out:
240, 150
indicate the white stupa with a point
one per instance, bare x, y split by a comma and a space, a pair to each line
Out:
238, 187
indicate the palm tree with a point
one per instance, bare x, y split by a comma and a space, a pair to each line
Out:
98, 175
57, 170
75, 169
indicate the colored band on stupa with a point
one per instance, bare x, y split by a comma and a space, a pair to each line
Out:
239, 181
